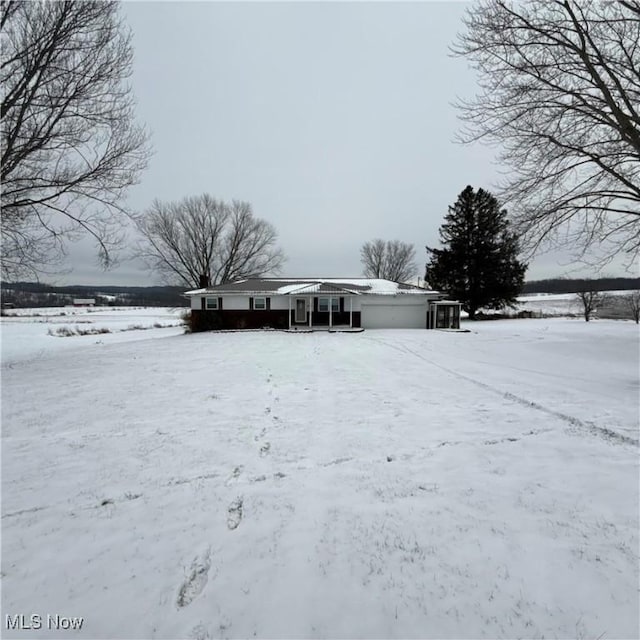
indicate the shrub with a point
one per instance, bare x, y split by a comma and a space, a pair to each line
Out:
63, 332
66, 332
186, 318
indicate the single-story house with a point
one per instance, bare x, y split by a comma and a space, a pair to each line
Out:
320, 303
84, 302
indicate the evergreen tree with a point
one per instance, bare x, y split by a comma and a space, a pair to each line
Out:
478, 263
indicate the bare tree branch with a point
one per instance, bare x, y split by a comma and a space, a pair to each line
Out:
372, 256
632, 302
203, 236
560, 95
391, 260
589, 301
70, 147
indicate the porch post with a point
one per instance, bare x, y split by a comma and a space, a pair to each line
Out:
330, 313
289, 311
310, 311
350, 312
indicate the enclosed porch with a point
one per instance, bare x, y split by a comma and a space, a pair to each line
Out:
443, 314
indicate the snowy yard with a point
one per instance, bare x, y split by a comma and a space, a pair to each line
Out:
28, 332
385, 484
568, 304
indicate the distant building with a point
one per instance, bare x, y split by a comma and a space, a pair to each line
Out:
84, 302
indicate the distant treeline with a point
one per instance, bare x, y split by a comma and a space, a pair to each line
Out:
564, 285
36, 294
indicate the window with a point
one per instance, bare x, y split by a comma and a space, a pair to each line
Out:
259, 303
212, 303
323, 304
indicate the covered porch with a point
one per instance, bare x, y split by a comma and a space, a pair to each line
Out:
322, 307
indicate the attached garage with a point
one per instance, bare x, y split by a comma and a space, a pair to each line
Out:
394, 314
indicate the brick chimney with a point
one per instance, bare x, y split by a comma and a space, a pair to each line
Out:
204, 281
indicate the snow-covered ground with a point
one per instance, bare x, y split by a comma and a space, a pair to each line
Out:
381, 484
557, 304
34, 332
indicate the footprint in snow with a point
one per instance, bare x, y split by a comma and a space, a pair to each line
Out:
234, 512
235, 474
200, 632
196, 579
265, 448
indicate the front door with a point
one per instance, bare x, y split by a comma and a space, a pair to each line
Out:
301, 310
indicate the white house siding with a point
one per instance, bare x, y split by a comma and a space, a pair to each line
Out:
238, 303
235, 303
280, 302
241, 303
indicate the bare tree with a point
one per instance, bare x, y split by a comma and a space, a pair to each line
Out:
70, 147
391, 260
632, 302
204, 236
372, 256
560, 95
589, 301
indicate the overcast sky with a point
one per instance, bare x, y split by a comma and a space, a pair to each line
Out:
333, 119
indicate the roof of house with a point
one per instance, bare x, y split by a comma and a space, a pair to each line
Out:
298, 286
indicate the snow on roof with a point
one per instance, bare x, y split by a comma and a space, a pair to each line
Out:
288, 286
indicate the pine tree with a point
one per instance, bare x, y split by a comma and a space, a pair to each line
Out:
478, 263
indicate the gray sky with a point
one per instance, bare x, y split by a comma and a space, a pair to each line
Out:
333, 119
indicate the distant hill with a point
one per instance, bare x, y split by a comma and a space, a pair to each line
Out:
564, 285
37, 294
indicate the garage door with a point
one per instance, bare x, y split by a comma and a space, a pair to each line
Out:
396, 316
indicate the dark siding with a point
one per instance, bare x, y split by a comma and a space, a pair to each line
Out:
220, 304
209, 320
315, 305
251, 304
341, 304
268, 303
238, 319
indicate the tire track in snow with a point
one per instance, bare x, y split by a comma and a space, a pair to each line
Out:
594, 429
